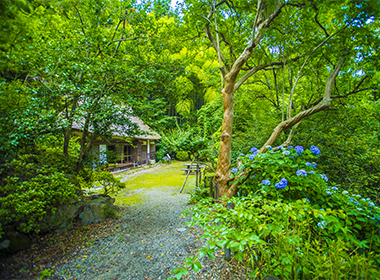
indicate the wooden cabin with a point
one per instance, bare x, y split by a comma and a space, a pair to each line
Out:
128, 151
123, 151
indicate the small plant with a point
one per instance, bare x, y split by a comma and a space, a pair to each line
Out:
46, 273
199, 194
110, 184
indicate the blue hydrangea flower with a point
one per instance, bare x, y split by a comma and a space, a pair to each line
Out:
290, 147
371, 204
328, 192
301, 172
269, 148
359, 209
357, 203
314, 164
344, 192
282, 184
286, 152
265, 182
311, 172
315, 150
241, 155
280, 147
322, 209
253, 176
374, 218
322, 224
307, 200
253, 149
234, 170
335, 188
299, 149
351, 199
324, 177
251, 157
308, 163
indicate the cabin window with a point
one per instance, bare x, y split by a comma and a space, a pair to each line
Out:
127, 156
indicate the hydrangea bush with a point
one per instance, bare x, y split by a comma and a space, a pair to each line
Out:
291, 174
291, 221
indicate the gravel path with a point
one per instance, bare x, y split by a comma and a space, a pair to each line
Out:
148, 243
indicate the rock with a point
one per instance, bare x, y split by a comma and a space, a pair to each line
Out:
5, 244
14, 242
181, 229
62, 218
97, 209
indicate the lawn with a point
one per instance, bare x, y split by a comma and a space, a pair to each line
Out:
162, 177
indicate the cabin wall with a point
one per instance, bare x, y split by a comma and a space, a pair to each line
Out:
125, 153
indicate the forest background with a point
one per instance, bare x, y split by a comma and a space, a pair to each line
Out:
184, 70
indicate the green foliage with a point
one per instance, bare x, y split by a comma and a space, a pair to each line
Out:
283, 239
46, 273
199, 194
108, 182
182, 155
182, 140
349, 140
31, 186
301, 229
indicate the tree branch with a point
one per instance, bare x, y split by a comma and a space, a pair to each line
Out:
81, 21
356, 90
257, 34
322, 105
215, 45
255, 69
316, 20
303, 66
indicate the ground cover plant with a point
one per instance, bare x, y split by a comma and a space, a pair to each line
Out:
136, 184
291, 221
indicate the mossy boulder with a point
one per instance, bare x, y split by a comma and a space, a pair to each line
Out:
97, 208
62, 218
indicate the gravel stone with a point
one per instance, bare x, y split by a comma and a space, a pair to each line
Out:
153, 241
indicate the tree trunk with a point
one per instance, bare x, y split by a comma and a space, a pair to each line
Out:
83, 150
66, 136
224, 160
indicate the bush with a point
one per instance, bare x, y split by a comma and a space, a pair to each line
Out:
199, 194
290, 222
31, 190
182, 155
109, 183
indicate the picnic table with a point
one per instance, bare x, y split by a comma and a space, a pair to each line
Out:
192, 167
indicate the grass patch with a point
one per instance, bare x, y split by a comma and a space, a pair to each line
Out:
124, 199
166, 176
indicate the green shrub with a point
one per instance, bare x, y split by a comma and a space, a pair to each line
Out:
109, 183
291, 222
199, 194
182, 155
31, 189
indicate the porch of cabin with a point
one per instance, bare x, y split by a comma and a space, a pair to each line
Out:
124, 155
